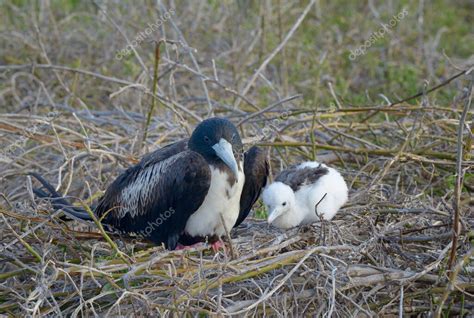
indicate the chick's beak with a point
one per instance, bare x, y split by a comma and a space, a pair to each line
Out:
274, 214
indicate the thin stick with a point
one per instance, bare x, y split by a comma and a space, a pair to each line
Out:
191, 55
420, 93
66, 68
279, 285
459, 176
22, 241
275, 51
452, 280
232, 252
104, 12
105, 235
313, 138
155, 82
316, 206
163, 98
400, 305
381, 152
268, 108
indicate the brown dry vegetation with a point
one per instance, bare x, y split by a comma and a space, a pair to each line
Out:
74, 112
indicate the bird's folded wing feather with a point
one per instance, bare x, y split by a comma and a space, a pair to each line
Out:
156, 197
256, 173
165, 152
296, 177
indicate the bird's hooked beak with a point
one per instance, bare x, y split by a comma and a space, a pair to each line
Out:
224, 151
274, 214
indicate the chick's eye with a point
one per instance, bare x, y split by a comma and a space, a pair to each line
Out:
206, 139
284, 203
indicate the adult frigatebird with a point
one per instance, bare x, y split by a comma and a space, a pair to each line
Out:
191, 191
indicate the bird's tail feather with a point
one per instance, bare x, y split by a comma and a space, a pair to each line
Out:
57, 200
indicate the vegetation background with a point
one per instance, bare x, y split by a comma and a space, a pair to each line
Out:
85, 90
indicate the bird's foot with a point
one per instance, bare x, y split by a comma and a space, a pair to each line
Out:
181, 247
217, 245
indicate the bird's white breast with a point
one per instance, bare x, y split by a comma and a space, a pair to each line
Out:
221, 199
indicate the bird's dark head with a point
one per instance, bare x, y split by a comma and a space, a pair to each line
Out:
218, 140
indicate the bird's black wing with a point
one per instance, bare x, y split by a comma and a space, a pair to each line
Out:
165, 152
296, 177
256, 173
155, 198
59, 202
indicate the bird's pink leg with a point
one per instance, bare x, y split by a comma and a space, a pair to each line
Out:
217, 245
180, 247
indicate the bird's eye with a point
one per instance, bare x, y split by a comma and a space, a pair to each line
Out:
206, 139
284, 203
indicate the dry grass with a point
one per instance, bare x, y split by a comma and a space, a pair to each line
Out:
73, 113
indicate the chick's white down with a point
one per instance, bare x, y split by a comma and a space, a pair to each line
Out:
288, 209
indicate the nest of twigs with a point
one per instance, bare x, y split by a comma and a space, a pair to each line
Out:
391, 250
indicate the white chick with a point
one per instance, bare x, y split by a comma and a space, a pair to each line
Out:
304, 194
